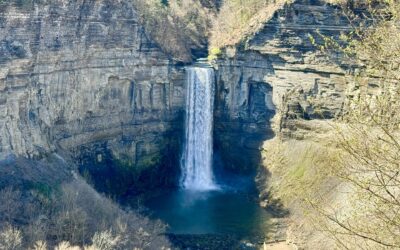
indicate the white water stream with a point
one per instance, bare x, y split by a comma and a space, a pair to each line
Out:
197, 173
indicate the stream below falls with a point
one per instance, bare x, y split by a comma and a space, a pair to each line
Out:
215, 219
202, 213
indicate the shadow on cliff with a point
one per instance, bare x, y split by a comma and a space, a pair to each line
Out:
239, 132
244, 110
273, 205
132, 173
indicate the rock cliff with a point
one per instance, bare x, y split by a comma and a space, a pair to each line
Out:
278, 70
82, 77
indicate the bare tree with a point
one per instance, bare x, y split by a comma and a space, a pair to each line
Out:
10, 239
369, 140
10, 204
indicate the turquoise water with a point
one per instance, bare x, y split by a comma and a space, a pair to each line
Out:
223, 212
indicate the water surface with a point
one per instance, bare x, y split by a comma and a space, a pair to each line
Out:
222, 212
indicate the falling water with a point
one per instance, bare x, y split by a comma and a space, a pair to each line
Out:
196, 164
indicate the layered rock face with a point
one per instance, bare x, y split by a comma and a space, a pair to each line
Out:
278, 70
243, 112
82, 77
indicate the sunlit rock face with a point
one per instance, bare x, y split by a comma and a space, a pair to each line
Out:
278, 71
81, 76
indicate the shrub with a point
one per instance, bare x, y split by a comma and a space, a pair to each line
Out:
10, 204
39, 245
104, 241
10, 239
214, 53
72, 216
66, 246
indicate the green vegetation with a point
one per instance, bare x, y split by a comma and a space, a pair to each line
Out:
301, 167
214, 53
41, 189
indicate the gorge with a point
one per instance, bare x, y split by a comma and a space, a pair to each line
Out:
215, 209
88, 94
102, 91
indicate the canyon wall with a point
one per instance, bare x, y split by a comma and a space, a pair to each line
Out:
82, 77
279, 71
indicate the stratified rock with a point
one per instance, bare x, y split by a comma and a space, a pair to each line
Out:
81, 76
278, 71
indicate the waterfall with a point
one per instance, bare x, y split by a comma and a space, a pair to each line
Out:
197, 173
